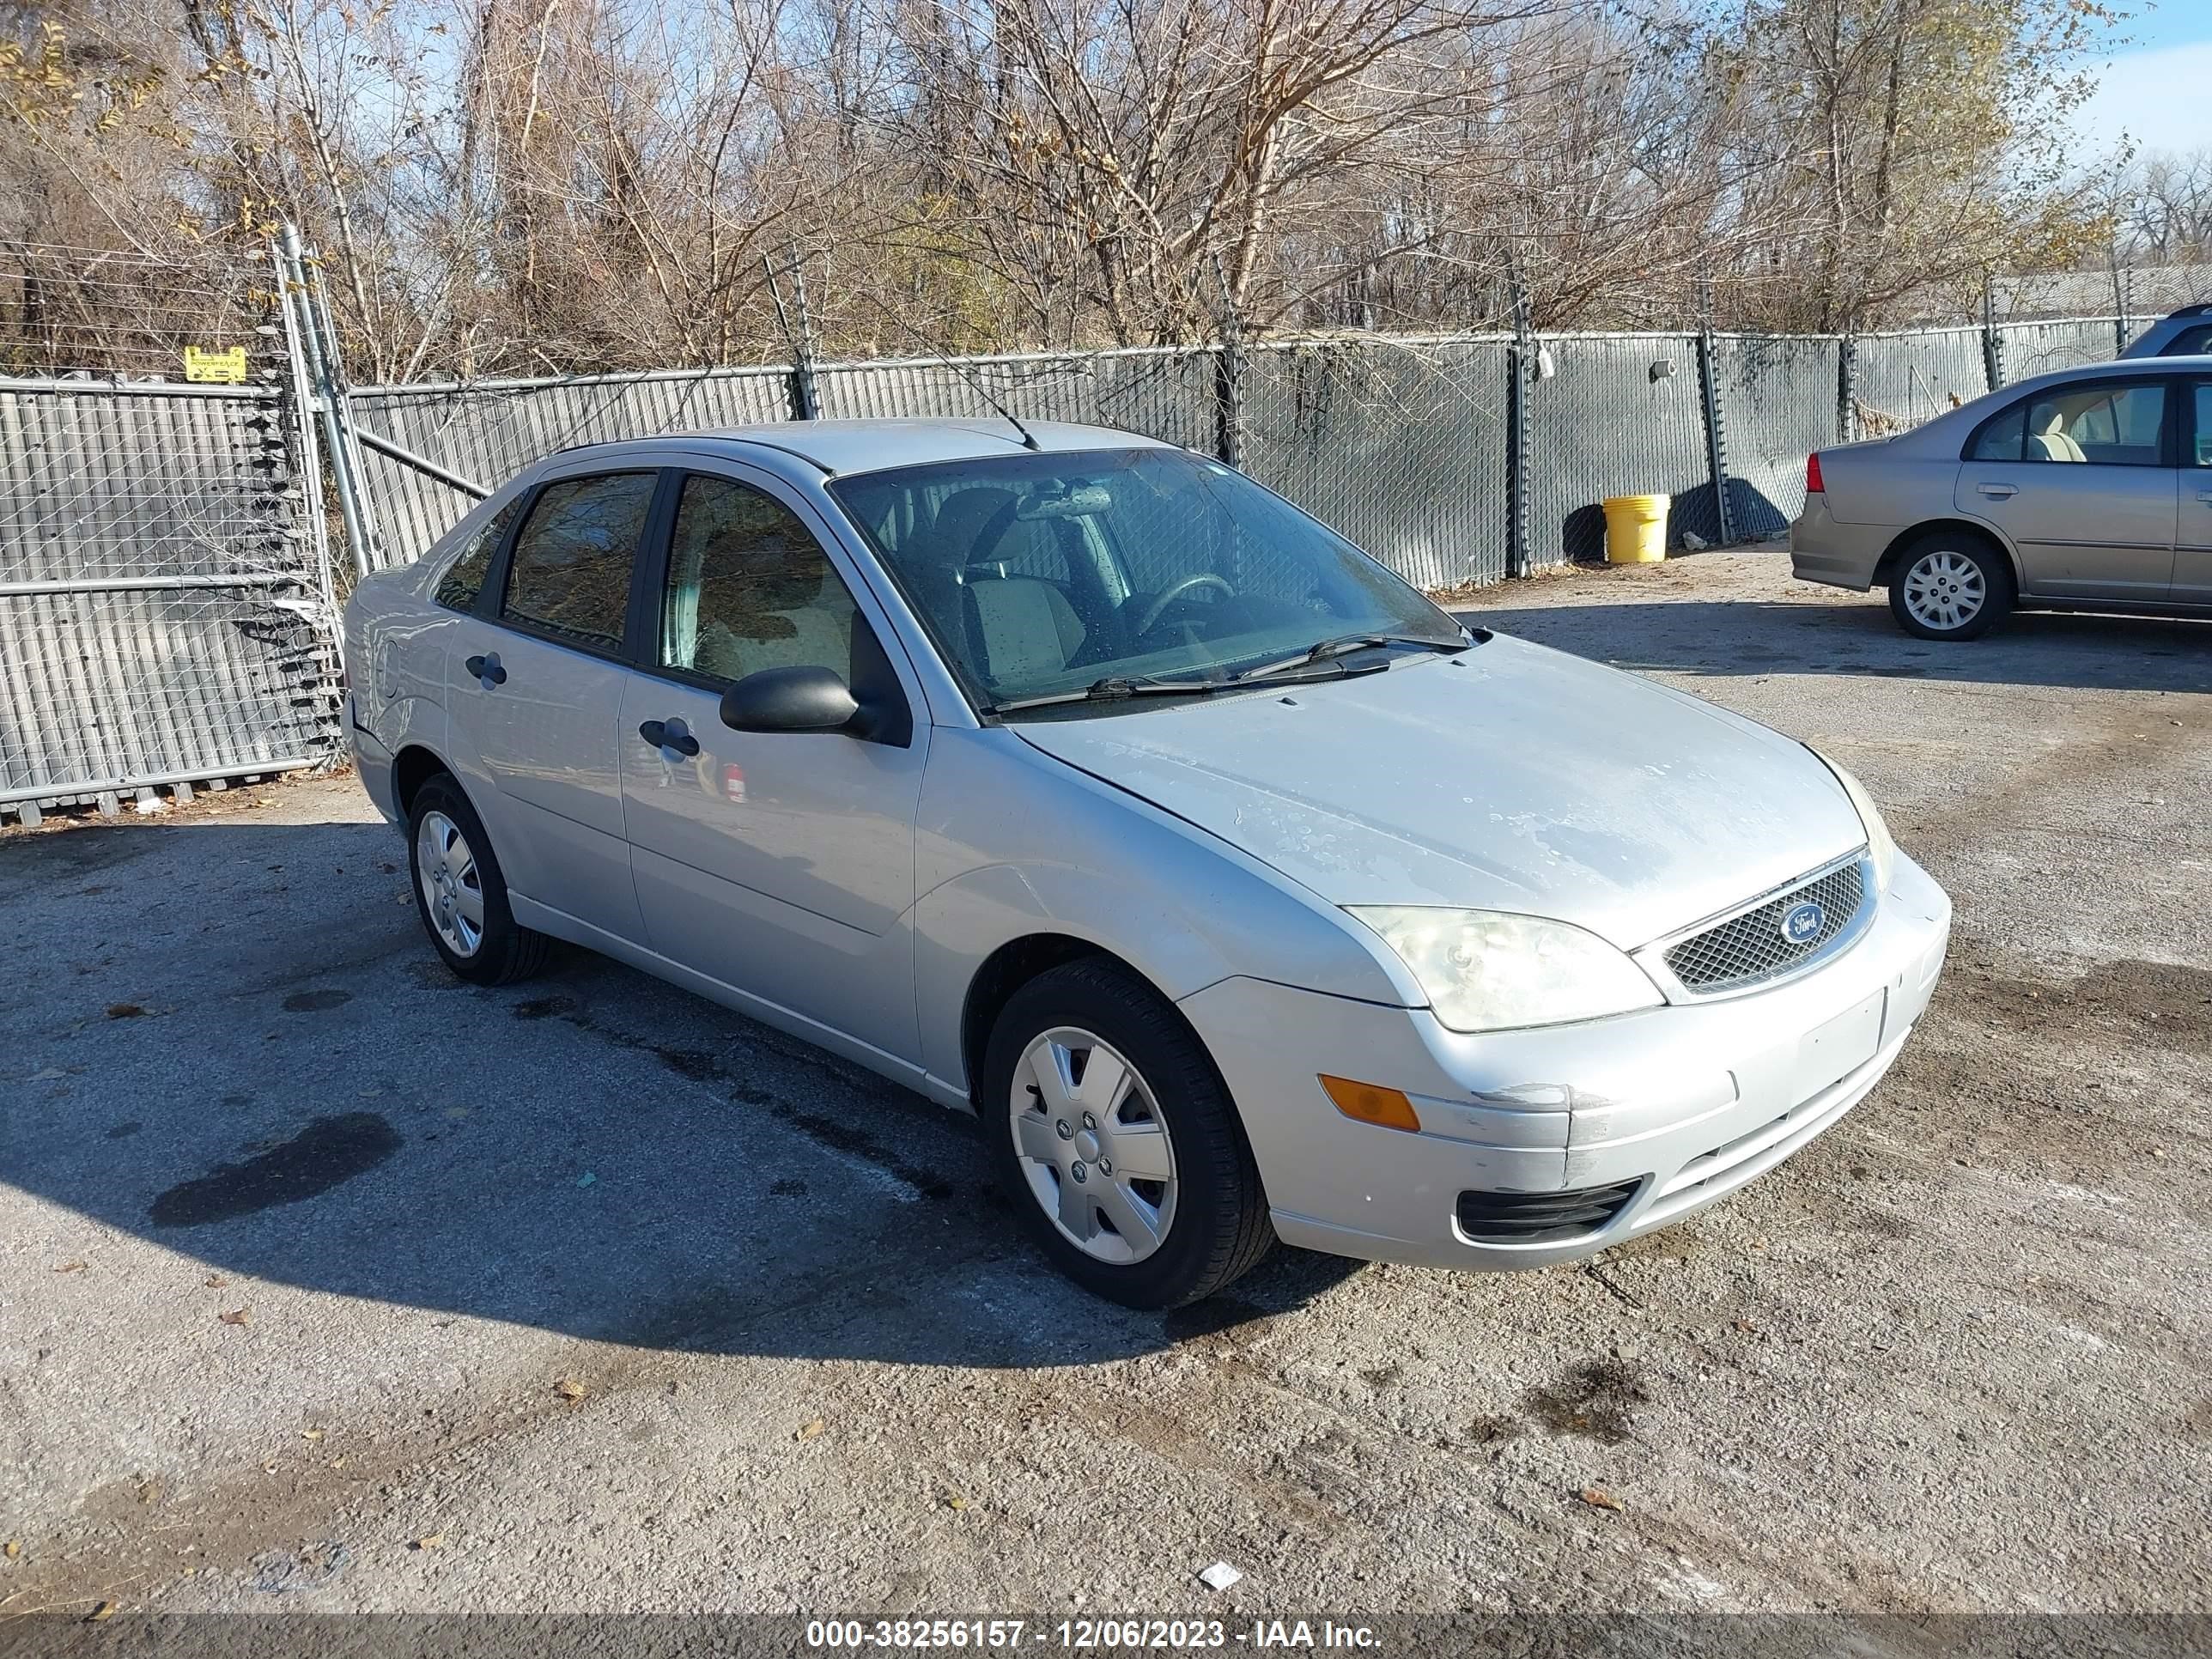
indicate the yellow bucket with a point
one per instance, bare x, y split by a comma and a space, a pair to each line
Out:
1635, 529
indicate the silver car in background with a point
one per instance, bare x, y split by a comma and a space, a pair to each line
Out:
2086, 490
1075, 780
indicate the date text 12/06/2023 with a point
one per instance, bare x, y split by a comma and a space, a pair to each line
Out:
1086, 1634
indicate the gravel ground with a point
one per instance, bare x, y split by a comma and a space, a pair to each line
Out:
613, 1300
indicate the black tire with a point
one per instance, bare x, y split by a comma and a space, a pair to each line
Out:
1998, 592
1218, 1229
506, 951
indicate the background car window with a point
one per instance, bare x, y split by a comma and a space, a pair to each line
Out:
570, 571
2190, 342
2004, 439
749, 588
463, 579
2116, 426
2201, 433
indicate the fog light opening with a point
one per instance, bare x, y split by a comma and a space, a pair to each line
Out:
1370, 1103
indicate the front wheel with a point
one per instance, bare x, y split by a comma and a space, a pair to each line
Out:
1118, 1143
1947, 587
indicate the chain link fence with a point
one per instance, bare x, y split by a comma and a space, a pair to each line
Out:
168, 593
166, 617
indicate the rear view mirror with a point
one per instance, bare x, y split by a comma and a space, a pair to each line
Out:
801, 699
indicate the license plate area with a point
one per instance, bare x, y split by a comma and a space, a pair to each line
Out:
1833, 1051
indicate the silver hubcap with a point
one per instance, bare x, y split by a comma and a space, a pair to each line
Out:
1944, 590
452, 889
1093, 1146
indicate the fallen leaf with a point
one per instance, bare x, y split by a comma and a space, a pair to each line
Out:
311, 1434
1745, 1325
215, 1281
808, 1430
430, 1540
148, 1491
585, 1179
235, 1316
570, 1389
70, 1268
1599, 1498
124, 1011
48, 1075
105, 1610
955, 1501
12, 1548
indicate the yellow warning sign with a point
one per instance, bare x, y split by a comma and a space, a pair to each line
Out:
224, 367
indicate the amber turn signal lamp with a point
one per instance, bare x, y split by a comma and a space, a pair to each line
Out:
1369, 1104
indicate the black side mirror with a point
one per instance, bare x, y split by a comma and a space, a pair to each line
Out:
803, 699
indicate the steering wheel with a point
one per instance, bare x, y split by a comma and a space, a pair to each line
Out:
1168, 596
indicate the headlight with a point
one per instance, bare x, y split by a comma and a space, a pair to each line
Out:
1485, 970
1880, 846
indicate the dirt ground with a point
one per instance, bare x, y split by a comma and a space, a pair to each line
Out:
592, 1296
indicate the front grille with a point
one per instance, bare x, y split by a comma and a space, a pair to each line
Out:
1747, 949
1542, 1217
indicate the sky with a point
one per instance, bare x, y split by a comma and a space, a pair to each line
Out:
2156, 91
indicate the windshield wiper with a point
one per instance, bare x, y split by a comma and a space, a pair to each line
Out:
1342, 645
1114, 688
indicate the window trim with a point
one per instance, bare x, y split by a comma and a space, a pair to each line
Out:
2169, 441
894, 724
491, 602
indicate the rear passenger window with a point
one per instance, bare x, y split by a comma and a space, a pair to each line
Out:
463, 579
569, 575
2003, 438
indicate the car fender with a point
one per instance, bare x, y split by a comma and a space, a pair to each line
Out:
1012, 844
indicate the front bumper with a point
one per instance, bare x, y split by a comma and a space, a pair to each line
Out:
1688, 1102
1824, 550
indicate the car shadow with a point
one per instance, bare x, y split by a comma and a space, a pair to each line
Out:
1856, 636
246, 1054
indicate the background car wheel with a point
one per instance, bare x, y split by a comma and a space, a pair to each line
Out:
460, 894
1950, 587
1117, 1140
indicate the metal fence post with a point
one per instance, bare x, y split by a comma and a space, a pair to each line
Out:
1521, 368
308, 463
1847, 351
1992, 346
1229, 379
1229, 400
298, 300
1715, 436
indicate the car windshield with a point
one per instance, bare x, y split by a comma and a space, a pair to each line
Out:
1040, 576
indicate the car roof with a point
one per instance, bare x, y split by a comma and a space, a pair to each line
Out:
838, 447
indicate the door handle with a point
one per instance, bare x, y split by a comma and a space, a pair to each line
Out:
670, 734
1998, 492
487, 670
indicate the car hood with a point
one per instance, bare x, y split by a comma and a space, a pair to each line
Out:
1512, 777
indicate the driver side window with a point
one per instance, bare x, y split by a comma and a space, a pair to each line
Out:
749, 588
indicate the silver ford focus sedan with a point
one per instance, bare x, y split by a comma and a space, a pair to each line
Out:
1076, 780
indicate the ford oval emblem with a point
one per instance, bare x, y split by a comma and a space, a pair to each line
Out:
1801, 923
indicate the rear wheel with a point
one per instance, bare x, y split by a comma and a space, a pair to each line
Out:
1117, 1142
460, 894
1950, 587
